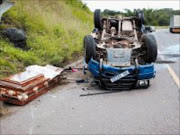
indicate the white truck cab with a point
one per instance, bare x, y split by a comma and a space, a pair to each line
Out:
175, 24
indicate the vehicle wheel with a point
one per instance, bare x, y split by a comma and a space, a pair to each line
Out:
97, 19
171, 30
140, 16
89, 48
150, 47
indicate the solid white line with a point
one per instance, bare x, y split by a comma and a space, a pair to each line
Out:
174, 76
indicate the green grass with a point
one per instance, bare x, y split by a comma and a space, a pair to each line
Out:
55, 31
162, 27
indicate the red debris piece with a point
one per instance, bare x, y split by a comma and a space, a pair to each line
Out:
74, 70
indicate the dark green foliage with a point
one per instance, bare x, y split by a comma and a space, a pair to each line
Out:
78, 3
156, 17
107, 12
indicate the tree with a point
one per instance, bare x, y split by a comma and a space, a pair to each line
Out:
156, 17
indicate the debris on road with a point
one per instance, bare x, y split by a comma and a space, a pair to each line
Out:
99, 93
24, 87
81, 81
74, 70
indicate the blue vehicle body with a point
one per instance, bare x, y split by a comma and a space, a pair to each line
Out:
144, 71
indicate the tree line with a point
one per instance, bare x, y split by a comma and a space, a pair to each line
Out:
155, 17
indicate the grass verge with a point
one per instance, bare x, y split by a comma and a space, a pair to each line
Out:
55, 31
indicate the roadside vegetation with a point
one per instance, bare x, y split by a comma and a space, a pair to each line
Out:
55, 31
162, 27
155, 17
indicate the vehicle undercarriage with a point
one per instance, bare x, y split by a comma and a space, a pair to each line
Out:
119, 43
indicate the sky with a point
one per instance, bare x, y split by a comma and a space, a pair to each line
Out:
119, 5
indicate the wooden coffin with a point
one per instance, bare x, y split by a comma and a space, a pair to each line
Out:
25, 90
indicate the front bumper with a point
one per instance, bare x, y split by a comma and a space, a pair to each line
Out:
143, 72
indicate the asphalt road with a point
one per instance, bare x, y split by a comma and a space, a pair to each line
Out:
63, 111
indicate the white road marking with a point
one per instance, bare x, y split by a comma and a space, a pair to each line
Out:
174, 76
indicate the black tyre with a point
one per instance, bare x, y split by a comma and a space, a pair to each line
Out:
170, 30
150, 47
140, 16
89, 48
173, 30
97, 19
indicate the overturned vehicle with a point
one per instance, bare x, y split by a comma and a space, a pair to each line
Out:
119, 54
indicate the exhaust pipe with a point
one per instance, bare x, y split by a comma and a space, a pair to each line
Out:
4, 6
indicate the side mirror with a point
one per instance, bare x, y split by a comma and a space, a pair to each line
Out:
4, 6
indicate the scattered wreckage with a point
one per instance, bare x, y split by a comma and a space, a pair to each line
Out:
119, 54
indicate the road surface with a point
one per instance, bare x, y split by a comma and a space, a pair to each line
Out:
63, 111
